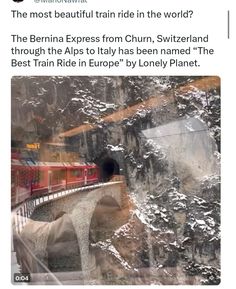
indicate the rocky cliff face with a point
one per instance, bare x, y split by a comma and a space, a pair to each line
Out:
174, 228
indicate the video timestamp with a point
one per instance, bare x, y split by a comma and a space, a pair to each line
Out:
22, 277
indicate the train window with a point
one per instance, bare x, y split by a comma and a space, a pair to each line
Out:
21, 175
38, 176
58, 175
41, 176
91, 172
13, 178
77, 173
63, 174
24, 177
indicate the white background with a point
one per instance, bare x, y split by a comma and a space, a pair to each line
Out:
209, 17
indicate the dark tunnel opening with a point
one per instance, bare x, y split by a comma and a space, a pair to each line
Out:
109, 167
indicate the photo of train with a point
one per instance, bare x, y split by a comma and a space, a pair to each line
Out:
115, 180
31, 178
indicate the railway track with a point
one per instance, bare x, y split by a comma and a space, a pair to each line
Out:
24, 211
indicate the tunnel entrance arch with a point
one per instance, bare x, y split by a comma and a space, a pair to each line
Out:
108, 168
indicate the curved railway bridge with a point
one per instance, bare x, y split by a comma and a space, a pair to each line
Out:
33, 220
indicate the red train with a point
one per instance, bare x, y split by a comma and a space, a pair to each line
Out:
30, 178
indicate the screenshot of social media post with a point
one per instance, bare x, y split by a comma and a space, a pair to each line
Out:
113, 141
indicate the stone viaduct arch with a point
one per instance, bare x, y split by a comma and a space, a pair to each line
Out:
82, 225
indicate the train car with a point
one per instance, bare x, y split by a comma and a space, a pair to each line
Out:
48, 177
81, 174
21, 175
75, 175
31, 178
93, 175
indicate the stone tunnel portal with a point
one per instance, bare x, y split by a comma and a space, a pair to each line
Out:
109, 167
